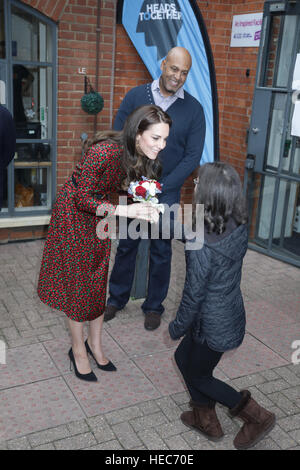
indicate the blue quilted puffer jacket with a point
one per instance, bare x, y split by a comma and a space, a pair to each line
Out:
212, 304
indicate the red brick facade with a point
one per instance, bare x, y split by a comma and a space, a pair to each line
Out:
77, 24
120, 68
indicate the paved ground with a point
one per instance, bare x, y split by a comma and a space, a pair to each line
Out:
44, 406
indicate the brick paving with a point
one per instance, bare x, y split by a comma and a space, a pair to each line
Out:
44, 406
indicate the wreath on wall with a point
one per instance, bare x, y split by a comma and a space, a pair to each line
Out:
91, 102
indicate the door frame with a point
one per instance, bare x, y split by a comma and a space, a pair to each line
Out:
264, 97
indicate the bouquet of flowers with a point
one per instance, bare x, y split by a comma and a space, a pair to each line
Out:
146, 191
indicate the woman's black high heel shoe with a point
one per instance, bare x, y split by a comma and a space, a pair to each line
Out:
90, 377
109, 367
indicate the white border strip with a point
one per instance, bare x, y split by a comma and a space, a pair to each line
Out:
24, 221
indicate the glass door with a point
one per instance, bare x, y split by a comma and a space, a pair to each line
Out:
273, 183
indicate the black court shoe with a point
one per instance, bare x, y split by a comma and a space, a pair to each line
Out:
90, 377
109, 367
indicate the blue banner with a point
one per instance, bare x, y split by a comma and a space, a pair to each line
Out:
154, 27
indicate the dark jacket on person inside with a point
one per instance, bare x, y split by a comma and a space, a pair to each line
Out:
7, 144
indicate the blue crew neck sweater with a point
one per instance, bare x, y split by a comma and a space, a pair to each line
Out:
183, 151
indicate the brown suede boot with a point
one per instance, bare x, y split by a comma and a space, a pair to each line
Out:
258, 421
204, 419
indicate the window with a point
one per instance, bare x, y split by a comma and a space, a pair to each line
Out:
27, 58
2, 31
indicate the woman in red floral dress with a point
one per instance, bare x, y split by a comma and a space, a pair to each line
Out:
73, 275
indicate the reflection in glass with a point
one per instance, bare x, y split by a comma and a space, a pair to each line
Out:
33, 152
296, 166
3, 99
253, 190
260, 196
31, 188
291, 154
266, 204
272, 51
5, 192
287, 230
279, 54
276, 131
32, 101
22, 82
31, 37
285, 234
2, 31
286, 51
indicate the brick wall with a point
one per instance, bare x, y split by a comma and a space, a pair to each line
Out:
77, 48
235, 90
23, 233
77, 22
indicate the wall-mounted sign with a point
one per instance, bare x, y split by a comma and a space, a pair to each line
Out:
246, 30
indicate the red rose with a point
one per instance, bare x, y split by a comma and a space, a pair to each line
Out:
158, 185
140, 191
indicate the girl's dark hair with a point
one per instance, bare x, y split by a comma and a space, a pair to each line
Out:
219, 188
135, 164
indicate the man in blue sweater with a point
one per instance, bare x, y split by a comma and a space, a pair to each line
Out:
7, 144
179, 159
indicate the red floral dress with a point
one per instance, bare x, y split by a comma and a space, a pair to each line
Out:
73, 275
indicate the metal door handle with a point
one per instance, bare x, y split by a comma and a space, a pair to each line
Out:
255, 130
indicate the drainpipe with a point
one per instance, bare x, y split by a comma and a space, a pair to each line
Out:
98, 30
112, 78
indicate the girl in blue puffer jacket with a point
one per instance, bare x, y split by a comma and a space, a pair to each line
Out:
211, 315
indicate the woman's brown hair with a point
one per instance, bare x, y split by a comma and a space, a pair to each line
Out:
135, 164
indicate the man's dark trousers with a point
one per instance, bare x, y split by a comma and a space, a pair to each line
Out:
122, 275
160, 257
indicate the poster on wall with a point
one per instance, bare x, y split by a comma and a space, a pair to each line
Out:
154, 27
246, 30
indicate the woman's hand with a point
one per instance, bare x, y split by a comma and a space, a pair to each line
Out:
139, 210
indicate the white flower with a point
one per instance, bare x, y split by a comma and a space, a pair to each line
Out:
152, 189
